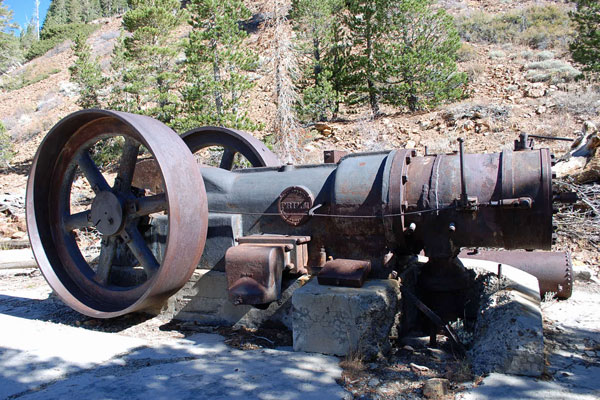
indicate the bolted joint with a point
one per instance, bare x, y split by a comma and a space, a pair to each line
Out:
132, 207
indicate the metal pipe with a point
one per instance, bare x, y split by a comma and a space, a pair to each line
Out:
554, 270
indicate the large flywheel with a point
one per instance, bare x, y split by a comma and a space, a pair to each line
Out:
233, 142
114, 215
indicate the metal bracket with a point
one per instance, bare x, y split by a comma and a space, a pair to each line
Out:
465, 202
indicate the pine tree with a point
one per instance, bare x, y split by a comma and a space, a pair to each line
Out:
585, 48
145, 61
10, 53
418, 59
316, 26
57, 14
366, 22
216, 64
404, 54
74, 11
112, 7
90, 10
27, 37
63, 12
87, 74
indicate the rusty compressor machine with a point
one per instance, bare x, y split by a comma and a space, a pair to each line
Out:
159, 214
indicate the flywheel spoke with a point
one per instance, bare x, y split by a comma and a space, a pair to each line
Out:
107, 255
78, 220
127, 164
227, 159
91, 172
150, 204
141, 251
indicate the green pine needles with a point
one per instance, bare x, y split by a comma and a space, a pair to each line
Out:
87, 74
217, 65
400, 53
145, 61
585, 49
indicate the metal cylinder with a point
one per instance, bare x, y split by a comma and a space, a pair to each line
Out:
371, 203
510, 201
554, 270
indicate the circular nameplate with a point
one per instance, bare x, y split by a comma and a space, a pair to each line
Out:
294, 204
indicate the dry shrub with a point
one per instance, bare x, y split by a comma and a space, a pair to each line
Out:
284, 69
474, 69
578, 102
466, 53
554, 71
538, 27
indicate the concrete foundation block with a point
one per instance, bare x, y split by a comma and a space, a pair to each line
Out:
204, 299
345, 321
508, 332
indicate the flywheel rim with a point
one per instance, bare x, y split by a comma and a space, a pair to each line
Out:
255, 151
49, 227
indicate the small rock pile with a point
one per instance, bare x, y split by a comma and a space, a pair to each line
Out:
12, 216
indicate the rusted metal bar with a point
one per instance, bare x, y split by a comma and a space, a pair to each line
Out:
437, 322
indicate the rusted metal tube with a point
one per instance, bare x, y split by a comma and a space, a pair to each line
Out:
509, 205
554, 270
372, 203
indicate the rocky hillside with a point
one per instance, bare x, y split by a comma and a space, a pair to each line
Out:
519, 82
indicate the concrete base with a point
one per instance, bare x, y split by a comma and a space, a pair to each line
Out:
508, 333
204, 299
345, 321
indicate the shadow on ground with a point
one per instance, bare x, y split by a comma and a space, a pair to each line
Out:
44, 354
52, 309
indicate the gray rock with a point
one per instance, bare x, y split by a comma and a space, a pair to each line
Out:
348, 396
69, 89
374, 382
582, 273
508, 332
48, 103
345, 321
24, 119
436, 388
110, 35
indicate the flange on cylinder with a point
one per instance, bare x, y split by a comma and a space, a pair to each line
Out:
116, 215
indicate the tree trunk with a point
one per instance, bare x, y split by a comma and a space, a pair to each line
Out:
217, 77
317, 54
372, 90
